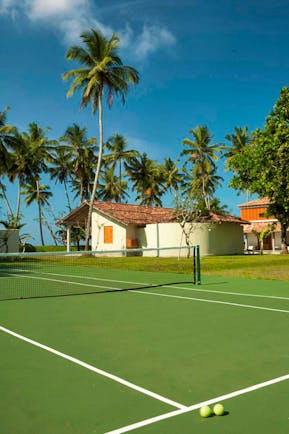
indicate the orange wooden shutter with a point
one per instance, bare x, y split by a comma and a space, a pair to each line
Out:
108, 235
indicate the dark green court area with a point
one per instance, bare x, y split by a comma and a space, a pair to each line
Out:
157, 331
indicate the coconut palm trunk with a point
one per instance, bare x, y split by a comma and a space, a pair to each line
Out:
97, 172
39, 212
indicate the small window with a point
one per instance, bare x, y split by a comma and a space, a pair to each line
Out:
108, 235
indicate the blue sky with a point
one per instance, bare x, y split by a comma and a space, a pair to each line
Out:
200, 62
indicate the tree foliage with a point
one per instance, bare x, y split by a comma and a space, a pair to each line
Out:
262, 164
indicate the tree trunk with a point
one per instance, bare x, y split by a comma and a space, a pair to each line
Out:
10, 212
39, 213
99, 160
67, 196
18, 201
284, 226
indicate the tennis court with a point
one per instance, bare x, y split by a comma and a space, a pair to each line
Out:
140, 351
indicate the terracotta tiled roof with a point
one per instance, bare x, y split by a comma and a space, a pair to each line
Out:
257, 202
258, 227
138, 214
213, 217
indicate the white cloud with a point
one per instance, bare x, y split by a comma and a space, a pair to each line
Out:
151, 39
48, 8
71, 17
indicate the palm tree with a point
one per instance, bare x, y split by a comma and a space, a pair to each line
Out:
147, 179
112, 189
5, 138
239, 139
39, 194
60, 170
173, 178
6, 134
81, 153
103, 71
116, 146
203, 156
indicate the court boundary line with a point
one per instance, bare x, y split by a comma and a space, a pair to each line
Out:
193, 407
248, 306
96, 370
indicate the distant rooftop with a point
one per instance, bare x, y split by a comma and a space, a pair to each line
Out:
257, 202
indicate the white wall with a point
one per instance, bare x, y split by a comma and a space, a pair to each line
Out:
214, 239
97, 237
9, 241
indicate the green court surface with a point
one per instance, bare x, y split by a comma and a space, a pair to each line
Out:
117, 360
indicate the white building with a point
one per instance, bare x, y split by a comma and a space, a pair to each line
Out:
9, 241
116, 226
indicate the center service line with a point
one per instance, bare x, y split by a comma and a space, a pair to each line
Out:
199, 405
96, 370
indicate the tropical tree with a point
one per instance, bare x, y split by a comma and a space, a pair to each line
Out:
6, 134
80, 154
60, 169
5, 137
203, 155
173, 178
238, 139
111, 188
261, 235
39, 194
262, 165
103, 72
147, 179
117, 153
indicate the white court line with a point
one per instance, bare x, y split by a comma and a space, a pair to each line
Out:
227, 292
64, 281
155, 285
96, 370
199, 405
249, 306
81, 277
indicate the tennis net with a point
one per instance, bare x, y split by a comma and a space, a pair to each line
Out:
41, 274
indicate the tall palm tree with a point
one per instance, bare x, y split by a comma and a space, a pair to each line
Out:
81, 152
203, 156
172, 176
112, 189
117, 152
238, 139
102, 72
5, 137
147, 179
39, 194
60, 169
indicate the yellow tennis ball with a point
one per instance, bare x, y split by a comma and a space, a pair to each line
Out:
205, 411
219, 409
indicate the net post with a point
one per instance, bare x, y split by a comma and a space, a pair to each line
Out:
194, 264
198, 265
